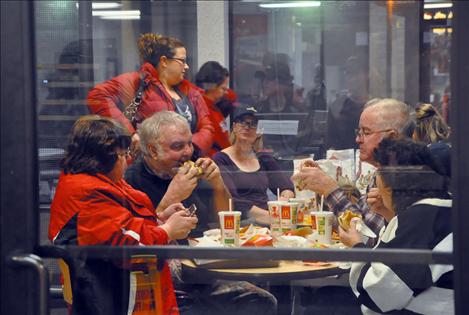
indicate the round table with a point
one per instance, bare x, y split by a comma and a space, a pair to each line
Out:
286, 271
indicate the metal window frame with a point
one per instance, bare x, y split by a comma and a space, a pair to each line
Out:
19, 217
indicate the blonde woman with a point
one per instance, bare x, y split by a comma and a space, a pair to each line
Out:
247, 173
431, 127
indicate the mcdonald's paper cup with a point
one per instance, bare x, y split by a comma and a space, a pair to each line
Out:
274, 213
323, 221
303, 216
288, 212
229, 226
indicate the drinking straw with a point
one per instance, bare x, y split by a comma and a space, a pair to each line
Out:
278, 194
322, 203
230, 204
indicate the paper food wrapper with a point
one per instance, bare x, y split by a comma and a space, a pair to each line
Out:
364, 230
304, 194
212, 238
347, 154
340, 170
365, 174
292, 241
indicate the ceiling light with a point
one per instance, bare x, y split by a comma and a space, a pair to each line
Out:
441, 5
117, 13
121, 17
302, 4
105, 5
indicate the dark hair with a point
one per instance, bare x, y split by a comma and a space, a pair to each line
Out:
405, 166
211, 72
92, 145
152, 47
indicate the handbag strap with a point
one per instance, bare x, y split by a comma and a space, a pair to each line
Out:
131, 110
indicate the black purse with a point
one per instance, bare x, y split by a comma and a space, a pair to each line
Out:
131, 110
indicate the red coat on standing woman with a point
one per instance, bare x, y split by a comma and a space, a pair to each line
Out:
107, 99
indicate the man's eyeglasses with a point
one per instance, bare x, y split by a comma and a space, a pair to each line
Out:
183, 61
365, 133
247, 124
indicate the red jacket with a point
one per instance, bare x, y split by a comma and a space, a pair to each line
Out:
105, 98
92, 210
221, 137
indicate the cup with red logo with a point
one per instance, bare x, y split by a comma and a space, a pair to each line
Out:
288, 211
303, 215
323, 220
274, 213
229, 227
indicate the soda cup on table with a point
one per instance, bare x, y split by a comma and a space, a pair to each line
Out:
274, 213
288, 211
323, 220
229, 226
303, 216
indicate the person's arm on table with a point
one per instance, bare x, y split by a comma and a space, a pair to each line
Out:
277, 177
117, 226
260, 215
338, 202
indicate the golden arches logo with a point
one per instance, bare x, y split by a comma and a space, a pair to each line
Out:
229, 222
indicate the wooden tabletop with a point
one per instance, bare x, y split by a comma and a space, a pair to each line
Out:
286, 271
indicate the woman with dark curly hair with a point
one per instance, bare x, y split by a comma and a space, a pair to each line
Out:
213, 79
93, 205
161, 80
418, 216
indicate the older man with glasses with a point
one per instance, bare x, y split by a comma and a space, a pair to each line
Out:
381, 118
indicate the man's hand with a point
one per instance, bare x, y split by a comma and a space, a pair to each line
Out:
351, 237
211, 172
182, 185
315, 179
179, 225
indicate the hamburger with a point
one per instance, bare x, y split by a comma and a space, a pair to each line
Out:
345, 218
190, 165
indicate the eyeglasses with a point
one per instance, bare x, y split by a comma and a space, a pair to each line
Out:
247, 124
183, 61
365, 133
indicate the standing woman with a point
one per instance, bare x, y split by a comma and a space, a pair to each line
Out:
213, 79
94, 205
247, 173
161, 78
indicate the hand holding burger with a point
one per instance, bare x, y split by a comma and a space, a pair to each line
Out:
346, 217
351, 236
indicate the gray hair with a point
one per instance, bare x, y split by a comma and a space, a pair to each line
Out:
394, 114
150, 130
